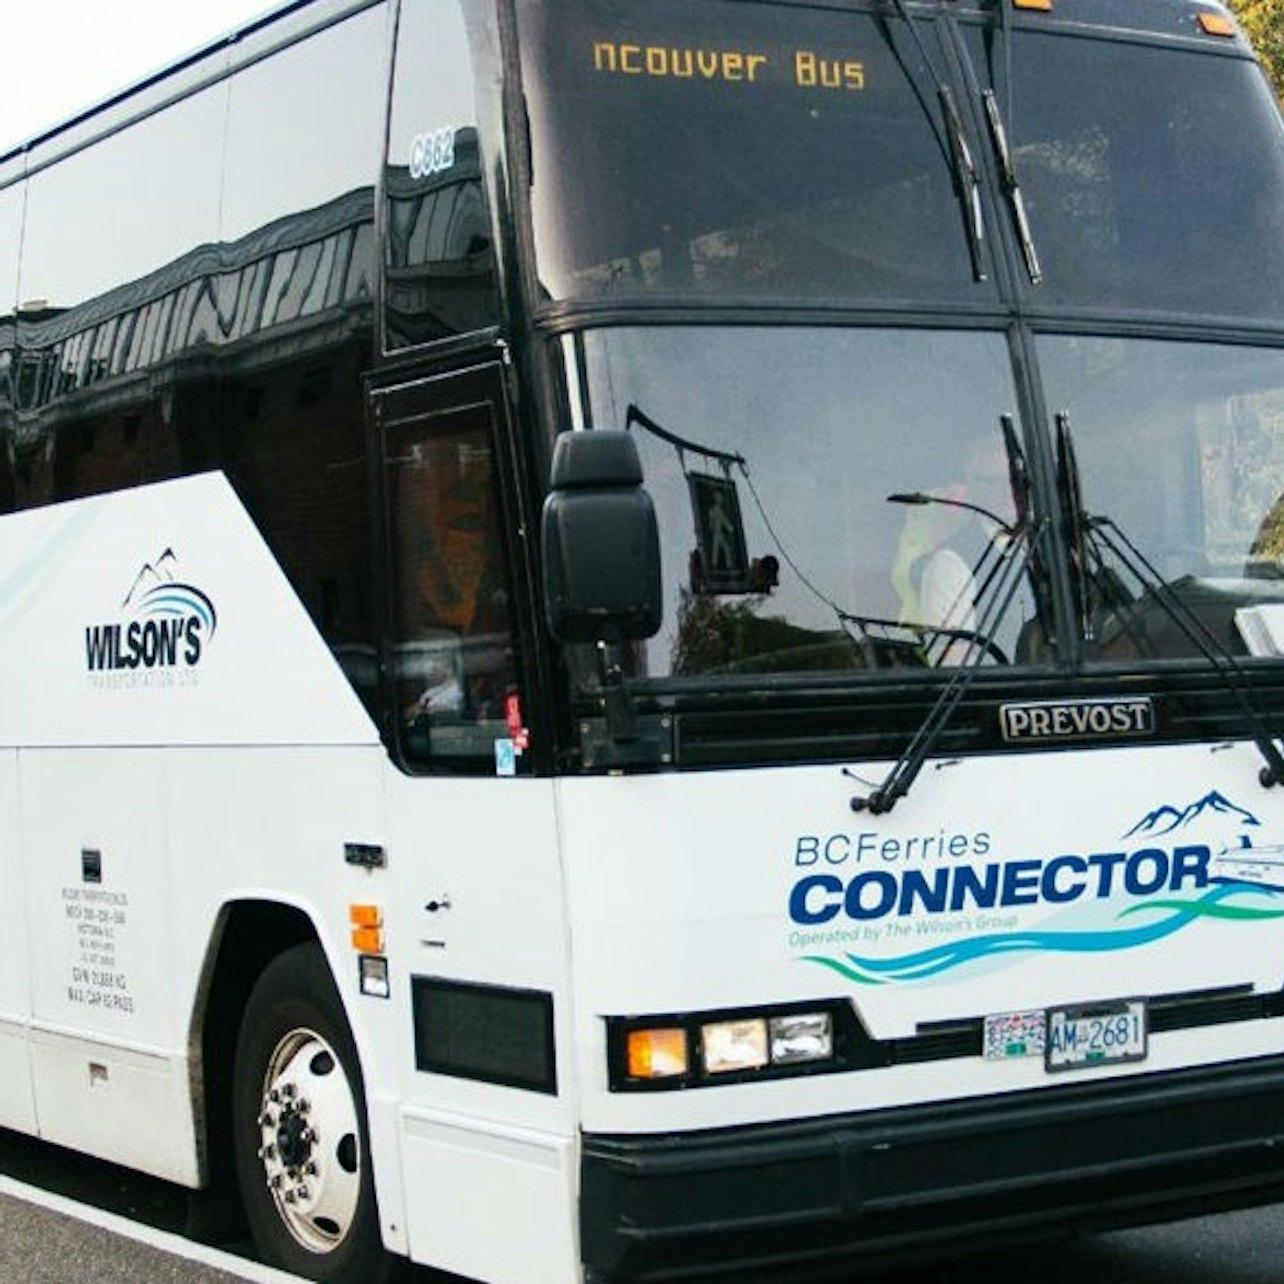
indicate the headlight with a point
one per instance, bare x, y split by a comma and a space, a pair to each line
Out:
734, 1045
804, 1036
696, 1049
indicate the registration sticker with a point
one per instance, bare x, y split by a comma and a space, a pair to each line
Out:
1096, 1034
1015, 1034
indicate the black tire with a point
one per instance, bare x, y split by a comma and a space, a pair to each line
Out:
299, 1128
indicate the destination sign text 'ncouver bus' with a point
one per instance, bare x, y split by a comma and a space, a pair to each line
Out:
805, 68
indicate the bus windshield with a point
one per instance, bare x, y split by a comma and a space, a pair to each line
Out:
841, 570
1163, 199
741, 151
855, 495
789, 154
874, 498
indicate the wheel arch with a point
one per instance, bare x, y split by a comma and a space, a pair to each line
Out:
247, 936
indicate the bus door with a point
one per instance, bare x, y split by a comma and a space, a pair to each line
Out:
472, 830
449, 662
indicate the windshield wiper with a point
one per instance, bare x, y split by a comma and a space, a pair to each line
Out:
1012, 188
967, 179
1011, 567
1087, 536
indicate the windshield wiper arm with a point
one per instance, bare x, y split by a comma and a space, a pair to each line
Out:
1012, 565
915, 497
1074, 526
1227, 667
1019, 481
1011, 187
1023, 553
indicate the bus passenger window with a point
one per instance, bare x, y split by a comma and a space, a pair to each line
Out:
10, 215
439, 260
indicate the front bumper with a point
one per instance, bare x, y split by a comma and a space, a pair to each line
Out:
807, 1200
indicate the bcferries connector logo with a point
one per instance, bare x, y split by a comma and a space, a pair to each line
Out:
163, 625
911, 909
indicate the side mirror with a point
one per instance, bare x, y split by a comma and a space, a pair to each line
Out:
601, 542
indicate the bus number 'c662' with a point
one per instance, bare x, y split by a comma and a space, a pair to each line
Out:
432, 153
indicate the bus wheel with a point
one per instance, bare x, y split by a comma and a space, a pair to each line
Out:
302, 1156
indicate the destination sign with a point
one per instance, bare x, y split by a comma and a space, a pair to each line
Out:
804, 68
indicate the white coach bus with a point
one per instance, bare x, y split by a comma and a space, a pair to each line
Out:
646, 637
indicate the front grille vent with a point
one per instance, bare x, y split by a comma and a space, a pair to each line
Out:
1189, 1010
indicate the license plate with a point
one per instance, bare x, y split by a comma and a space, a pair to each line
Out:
1015, 1034
1098, 1034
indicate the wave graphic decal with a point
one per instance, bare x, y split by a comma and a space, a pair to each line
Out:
943, 958
173, 599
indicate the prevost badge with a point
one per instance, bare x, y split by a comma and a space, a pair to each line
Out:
1077, 719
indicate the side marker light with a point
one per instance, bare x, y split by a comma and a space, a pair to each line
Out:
367, 928
1216, 24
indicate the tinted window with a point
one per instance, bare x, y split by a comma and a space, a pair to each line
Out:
10, 228
1169, 196
149, 194
739, 150
304, 127
439, 255
452, 657
1181, 446
837, 573
114, 281
297, 295
195, 301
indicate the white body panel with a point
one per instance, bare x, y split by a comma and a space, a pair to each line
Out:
490, 849
224, 757
680, 891
118, 573
521, 1228
17, 1106
109, 1047
144, 795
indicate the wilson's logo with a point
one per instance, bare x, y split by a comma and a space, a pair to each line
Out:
163, 624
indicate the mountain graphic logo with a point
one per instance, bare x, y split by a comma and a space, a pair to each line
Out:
164, 623
1167, 818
